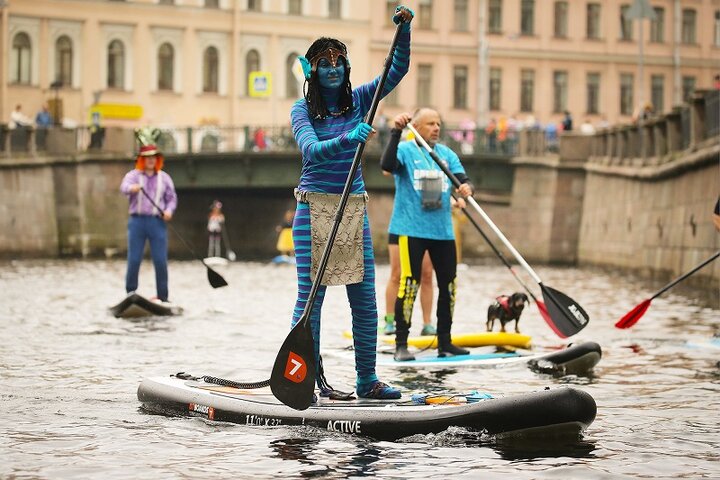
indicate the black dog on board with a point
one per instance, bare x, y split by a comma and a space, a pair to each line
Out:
506, 309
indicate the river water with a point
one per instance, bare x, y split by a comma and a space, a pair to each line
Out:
69, 372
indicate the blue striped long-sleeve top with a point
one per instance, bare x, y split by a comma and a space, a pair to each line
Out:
327, 153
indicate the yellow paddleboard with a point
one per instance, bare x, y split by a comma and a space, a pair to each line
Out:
478, 339
285, 241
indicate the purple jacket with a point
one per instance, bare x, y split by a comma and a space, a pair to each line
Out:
159, 187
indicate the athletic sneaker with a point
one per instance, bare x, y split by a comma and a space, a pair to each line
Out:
378, 390
428, 330
389, 326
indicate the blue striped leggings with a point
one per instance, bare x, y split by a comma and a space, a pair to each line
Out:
360, 295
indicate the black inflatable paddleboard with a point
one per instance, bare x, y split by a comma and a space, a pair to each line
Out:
134, 306
560, 412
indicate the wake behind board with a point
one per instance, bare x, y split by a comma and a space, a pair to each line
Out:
135, 306
467, 340
560, 412
577, 359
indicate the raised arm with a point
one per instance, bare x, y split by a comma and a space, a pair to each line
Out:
389, 161
400, 62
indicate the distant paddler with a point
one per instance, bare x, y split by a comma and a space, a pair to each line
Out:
146, 186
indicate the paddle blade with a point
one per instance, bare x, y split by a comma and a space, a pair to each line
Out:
565, 316
632, 317
216, 280
293, 375
543, 311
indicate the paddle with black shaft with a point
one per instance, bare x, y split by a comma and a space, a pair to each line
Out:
632, 317
540, 304
293, 376
565, 316
216, 280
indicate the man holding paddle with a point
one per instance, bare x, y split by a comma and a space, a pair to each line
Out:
148, 187
330, 124
422, 220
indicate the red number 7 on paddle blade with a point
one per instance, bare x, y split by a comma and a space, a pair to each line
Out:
293, 375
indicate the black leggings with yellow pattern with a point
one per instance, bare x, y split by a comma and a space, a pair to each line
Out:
444, 260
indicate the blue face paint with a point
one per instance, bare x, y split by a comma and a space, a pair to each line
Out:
329, 76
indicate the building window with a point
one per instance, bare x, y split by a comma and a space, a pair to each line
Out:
424, 88
560, 91
593, 93
460, 16
495, 16
291, 83
63, 60
295, 7
527, 17
657, 93
212, 3
390, 6
688, 88
211, 64
657, 26
625, 24
116, 65
166, 60
21, 57
527, 87
716, 41
626, 93
460, 84
254, 5
334, 10
688, 26
593, 21
425, 14
495, 83
561, 19
252, 64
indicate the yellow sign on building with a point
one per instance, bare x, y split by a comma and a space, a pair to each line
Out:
260, 84
123, 111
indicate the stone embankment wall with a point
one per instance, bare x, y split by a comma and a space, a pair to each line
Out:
61, 206
633, 197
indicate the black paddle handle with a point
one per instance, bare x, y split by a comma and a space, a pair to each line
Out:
683, 277
349, 182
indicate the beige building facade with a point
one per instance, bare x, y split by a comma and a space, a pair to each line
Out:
191, 62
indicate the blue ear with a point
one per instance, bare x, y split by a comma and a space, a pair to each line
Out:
306, 67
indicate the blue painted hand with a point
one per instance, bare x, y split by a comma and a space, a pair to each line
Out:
403, 15
360, 133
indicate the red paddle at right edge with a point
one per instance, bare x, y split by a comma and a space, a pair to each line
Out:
632, 317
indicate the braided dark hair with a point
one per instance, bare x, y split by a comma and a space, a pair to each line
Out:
311, 88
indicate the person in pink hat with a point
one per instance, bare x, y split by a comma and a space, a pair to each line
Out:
152, 199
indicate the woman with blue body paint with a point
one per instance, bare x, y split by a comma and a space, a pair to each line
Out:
328, 126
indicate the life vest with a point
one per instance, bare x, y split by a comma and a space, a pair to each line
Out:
504, 302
